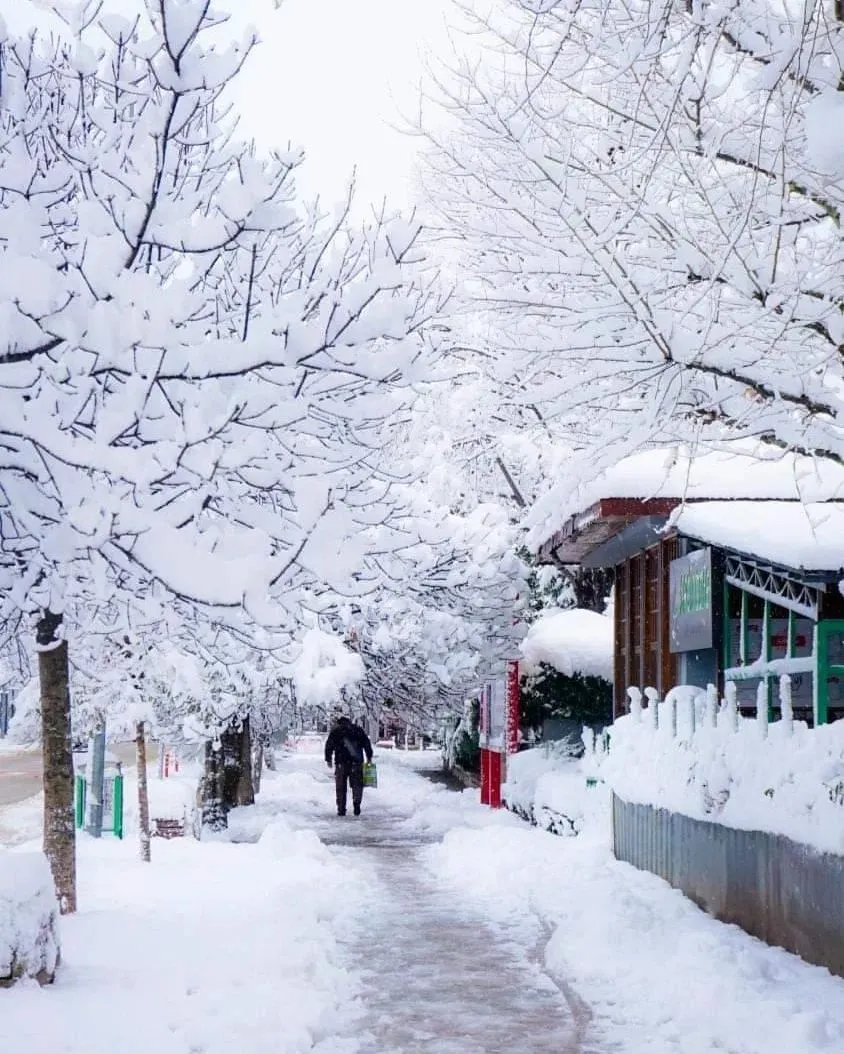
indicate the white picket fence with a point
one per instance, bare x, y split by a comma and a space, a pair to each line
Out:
687, 708
694, 753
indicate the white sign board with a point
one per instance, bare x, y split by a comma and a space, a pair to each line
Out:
493, 716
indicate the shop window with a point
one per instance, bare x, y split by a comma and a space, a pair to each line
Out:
802, 696
755, 614
746, 695
835, 695
790, 637
835, 647
830, 634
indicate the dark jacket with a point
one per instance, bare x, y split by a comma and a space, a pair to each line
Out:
347, 744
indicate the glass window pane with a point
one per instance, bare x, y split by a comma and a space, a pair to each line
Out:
835, 647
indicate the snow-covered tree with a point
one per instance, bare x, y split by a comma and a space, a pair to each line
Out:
196, 372
646, 203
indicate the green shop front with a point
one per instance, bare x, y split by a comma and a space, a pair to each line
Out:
704, 594
736, 618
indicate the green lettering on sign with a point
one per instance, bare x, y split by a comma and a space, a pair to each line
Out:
694, 592
691, 586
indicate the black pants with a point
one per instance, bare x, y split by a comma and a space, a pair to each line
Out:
345, 776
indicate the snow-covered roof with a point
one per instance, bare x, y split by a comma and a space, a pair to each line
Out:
809, 537
572, 641
745, 472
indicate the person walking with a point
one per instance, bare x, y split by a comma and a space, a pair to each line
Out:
347, 745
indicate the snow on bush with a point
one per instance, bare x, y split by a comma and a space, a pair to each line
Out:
29, 937
547, 787
783, 777
572, 641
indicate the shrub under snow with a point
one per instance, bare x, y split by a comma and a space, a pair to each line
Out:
547, 787
29, 936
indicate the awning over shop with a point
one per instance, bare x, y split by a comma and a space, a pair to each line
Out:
586, 531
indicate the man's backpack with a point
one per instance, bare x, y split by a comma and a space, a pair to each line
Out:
353, 749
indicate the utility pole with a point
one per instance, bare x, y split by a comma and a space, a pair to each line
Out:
95, 778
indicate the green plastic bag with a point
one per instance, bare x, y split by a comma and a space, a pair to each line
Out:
370, 774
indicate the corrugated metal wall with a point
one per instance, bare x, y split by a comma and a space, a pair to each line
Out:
785, 893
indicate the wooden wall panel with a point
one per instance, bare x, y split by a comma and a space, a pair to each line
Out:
642, 654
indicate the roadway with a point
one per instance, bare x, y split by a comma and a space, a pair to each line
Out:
20, 775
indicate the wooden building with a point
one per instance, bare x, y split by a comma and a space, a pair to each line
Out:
713, 589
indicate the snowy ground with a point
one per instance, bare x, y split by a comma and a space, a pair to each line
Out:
429, 924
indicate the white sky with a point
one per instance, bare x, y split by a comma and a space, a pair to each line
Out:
332, 76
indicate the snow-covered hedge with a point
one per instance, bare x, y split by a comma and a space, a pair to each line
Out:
782, 777
29, 936
547, 787
573, 641
566, 669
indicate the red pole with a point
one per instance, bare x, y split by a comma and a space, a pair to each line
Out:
495, 779
485, 787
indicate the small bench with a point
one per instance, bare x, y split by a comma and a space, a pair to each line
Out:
167, 827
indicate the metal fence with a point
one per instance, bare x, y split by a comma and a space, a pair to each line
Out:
780, 891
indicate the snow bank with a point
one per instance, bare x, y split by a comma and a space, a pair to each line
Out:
173, 798
572, 641
657, 974
729, 770
29, 937
22, 822
214, 947
547, 787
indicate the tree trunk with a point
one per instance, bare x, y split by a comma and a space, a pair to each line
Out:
143, 792
211, 803
237, 766
57, 753
246, 783
591, 587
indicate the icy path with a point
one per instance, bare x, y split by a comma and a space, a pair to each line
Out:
436, 977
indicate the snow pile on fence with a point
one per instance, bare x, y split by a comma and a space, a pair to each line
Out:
29, 938
572, 641
695, 755
547, 787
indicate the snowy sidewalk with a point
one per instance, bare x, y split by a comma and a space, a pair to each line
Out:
434, 976
428, 924
437, 978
